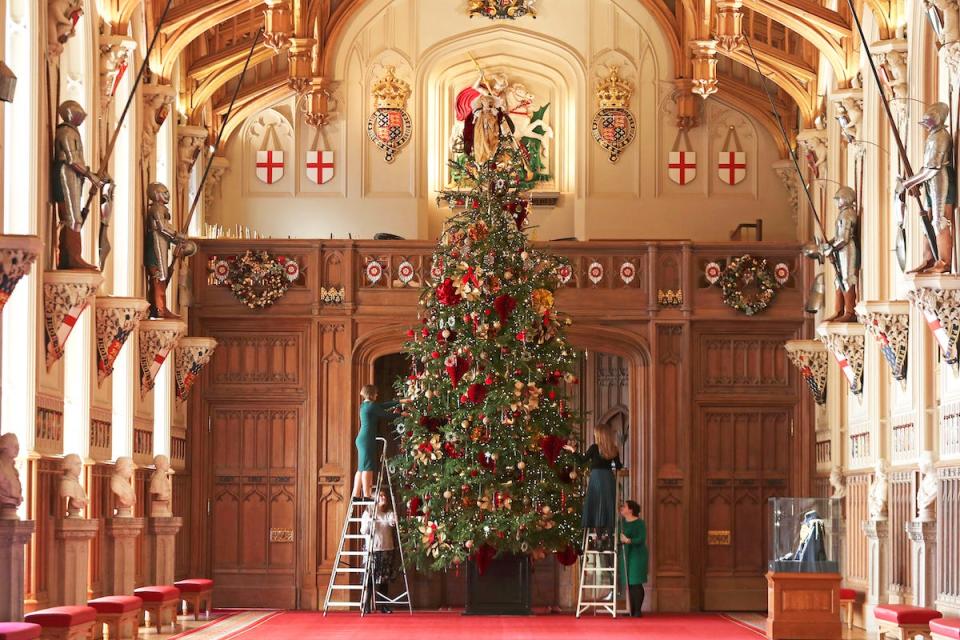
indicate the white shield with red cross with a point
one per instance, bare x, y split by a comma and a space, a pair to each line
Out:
320, 166
269, 166
682, 166
732, 167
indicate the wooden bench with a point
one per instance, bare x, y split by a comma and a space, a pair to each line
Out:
19, 631
64, 623
119, 613
196, 591
848, 597
945, 629
903, 621
160, 601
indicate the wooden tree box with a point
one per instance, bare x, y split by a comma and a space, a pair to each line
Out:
803, 606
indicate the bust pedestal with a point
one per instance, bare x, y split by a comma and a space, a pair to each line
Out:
803, 606
14, 534
119, 566
877, 532
923, 547
68, 571
161, 549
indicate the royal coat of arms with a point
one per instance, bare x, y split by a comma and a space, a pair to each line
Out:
390, 126
614, 127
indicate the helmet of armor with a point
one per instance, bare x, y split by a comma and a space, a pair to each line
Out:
936, 115
71, 112
845, 197
188, 248
158, 192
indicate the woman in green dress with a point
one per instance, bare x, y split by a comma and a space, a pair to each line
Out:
633, 554
371, 412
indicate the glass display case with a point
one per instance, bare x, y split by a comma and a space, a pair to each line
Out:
805, 535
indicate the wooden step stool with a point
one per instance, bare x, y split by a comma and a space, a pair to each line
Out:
945, 629
118, 613
160, 601
64, 623
195, 591
903, 621
19, 631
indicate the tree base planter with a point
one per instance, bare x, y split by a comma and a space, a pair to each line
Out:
502, 590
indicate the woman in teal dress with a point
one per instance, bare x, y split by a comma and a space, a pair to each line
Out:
633, 554
371, 412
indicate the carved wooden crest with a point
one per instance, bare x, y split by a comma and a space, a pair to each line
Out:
190, 357
938, 298
117, 318
17, 255
65, 295
889, 324
157, 339
845, 341
810, 357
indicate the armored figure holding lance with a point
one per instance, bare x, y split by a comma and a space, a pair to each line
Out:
940, 178
159, 234
845, 245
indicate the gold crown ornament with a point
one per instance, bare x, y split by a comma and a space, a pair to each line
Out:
613, 92
391, 92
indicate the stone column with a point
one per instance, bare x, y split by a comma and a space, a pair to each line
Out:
71, 561
119, 562
877, 532
14, 534
923, 552
161, 549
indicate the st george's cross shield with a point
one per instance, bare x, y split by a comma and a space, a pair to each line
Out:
269, 166
682, 166
320, 166
389, 128
732, 167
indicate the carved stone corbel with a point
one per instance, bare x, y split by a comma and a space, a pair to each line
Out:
17, 255
938, 298
278, 25
65, 295
191, 355
300, 64
157, 101
218, 168
62, 17
891, 58
846, 341
704, 81
157, 339
814, 142
117, 318
810, 357
849, 112
889, 324
190, 142
788, 176
114, 51
729, 24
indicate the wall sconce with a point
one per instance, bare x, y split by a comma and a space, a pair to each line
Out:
277, 25
729, 24
8, 82
704, 67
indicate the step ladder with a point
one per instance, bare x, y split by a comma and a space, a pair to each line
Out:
354, 552
599, 570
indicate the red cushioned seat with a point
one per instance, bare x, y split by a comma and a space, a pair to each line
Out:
905, 614
848, 594
194, 584
946, 627
19, 631
62, 616
116, 604
158, 593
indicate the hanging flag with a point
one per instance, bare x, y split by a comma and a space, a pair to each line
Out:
320, 166
682, 167
732, 162
269, 166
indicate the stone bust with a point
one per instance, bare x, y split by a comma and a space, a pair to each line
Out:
877, 498
838, 484
161, 488
70, 488
11, 492
927, 489
121, 484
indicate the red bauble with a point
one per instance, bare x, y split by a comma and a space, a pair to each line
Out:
447, 294
552, 394
425, 332
410, 333
488, 380
504, 306
521, 336
435, 355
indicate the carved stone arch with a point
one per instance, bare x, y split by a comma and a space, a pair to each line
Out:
253, 105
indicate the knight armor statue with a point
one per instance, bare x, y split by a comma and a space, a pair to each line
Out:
67, 175
940, 178
846, 246
159, 234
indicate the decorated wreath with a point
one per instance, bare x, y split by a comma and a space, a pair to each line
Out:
748, 284
256, 278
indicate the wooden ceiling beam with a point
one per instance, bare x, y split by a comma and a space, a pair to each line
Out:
225, 74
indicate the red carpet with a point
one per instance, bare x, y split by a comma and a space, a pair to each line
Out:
304, 625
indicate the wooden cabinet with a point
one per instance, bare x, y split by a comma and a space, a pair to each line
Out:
803, 606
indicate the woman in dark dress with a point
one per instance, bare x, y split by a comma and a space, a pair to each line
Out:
371, 412
600, 503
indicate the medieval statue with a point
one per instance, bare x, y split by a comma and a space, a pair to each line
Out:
939, 177
161, 488
121, 485
837, 483
927, 489
845, 245
159, 235
877, 496
62, 16
71, 491
11, 492
67, 175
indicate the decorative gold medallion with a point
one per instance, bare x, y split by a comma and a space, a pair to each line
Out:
614, 127
390, 126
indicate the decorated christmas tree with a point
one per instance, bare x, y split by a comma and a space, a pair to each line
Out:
482, 468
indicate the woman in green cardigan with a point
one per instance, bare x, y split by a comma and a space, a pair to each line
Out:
633, 554
371, 412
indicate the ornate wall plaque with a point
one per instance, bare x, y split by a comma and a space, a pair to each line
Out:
889, 324
157, 339
845, 340
190, 357
390, 126
116, 319
614, 127
810, 357
17, 254
65, 295
938, 298
281, 535
718, 538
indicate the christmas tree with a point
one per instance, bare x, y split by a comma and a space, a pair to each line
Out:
482, 467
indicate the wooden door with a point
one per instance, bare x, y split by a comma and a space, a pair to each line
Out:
253, 504
745, 459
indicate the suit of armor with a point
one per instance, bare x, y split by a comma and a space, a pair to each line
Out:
159, 234
68, 173
845, 245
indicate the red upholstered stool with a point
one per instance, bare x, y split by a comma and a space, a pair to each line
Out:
848, 598
940, 629
19, 631
64, 623
160, 602
118, 613
195, 591
903, 622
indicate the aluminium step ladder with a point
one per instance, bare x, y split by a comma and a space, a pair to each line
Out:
354, 552
599, 570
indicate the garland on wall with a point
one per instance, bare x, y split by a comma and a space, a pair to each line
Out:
257, 278
747, 283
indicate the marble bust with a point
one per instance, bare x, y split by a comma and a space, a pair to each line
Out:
838, 484
11, 492
161, 488
927, 489
121, 484
877, 498
70, 488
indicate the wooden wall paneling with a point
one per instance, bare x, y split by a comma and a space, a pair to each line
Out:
141, 484
181, 509
44, 490
901, 510
856, 551
49, 425
948, 537
100, 507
